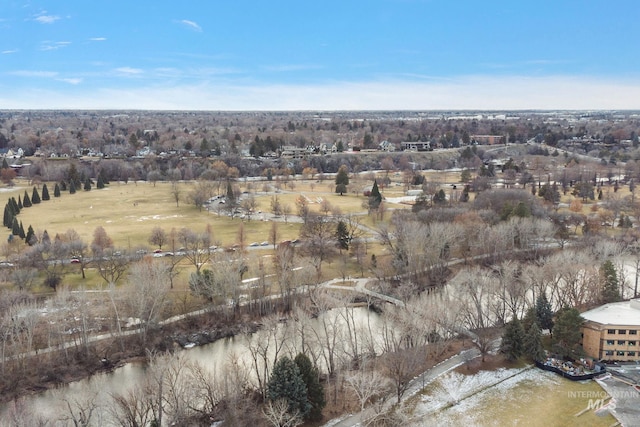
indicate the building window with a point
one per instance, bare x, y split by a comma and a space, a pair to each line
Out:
608, 353
611, 331
633, 332
622, 331
632, 343
621, 342
619, 353
610, 342
631, 353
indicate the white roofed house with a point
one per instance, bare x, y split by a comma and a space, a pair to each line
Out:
612, 331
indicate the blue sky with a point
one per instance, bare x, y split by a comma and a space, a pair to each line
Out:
289, 55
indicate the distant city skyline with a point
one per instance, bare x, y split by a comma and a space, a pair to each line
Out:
292, 55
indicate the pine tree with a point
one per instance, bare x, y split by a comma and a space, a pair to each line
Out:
56, 190
46, 240
544, 313
611, 286
342, 180
375, 198
35, 197
20, 202
342, 234
512, 340
45, 193
287, 383
73, 176
63, 185
30, 238
21, 233
567, 333
315, 390
100, 183
87, 184
26, 202
15, 227
72, 188
15, 209
6, 219
464, 198
532, 344
440, 198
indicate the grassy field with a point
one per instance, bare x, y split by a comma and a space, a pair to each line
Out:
128, 213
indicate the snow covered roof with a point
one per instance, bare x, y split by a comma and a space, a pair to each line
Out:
616, 313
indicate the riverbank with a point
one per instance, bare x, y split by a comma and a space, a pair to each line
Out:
40, 372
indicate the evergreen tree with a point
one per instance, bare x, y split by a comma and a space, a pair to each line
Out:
72, 188
20, 202
103, 175
35, 196
532, 344
100, 183
375, 198
529, 318
7, 218
45, 192
30, 238
15, 207
464, 198
5, 165
315, 390
544, 313
46, 240
513, 339
56, 190
63, 185
342, 234
87, 184
26, 202
611, 286
21, 233
440, 198
286, 383
15, 227
567, 333
73, 176
342, 180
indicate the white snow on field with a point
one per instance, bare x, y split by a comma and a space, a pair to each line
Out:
457, 397
402, 199
156, 217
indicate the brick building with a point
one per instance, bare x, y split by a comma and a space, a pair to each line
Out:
612, 331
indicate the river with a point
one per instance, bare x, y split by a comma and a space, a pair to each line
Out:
215, 357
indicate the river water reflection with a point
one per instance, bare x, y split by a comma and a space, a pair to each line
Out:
215, 356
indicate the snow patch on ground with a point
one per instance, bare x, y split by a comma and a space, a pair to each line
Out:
156, 217
402, 199
456, 396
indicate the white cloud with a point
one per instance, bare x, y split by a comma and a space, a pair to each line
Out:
291, 67
72, 81
469, 92
49, 45
191, 24
43, 18
98, 39
33, 73
129, 71
7, 52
